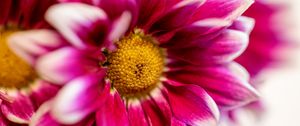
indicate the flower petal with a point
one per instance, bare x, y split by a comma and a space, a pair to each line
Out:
79, 98
226, 84
112, 112
157, 108
224, 48
43, 117
65, 64
244, 24
32, 44
136, 113
19, 110
175, 17
202, 30
225, 9
191, 104
79, 23
42, 91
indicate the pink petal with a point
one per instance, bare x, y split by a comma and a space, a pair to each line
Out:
112, 112
224, 48
65, 64
80, 24
175, 17
225, 9
79, 98
151, 11
43, 91
244, 24
202, 30
32, 44
157, 108
19, 110
226, 84
116, 8
191, 104
43, 117
136, 113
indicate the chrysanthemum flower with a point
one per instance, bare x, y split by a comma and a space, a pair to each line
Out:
21, 92
140, 62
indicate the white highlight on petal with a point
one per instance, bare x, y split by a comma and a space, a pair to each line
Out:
68, 16
28, 44
120, 26
248, 23
40, 112
53, 59
64, 112
211, 22
16, 119
188, 2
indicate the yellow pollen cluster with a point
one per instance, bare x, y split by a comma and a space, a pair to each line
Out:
14, 72
136, 66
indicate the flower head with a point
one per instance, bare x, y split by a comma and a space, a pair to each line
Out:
140, 62
21, 90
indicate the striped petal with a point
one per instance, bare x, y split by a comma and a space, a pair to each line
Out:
65, 64
79, 98
112, 112
224, 48
226, 84
191, 104
30, 45
19, 110
82, 25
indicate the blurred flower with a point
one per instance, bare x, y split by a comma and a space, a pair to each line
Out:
264, 46
140, 62
21, 91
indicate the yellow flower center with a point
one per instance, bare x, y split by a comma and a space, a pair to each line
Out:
14, 72
136, 66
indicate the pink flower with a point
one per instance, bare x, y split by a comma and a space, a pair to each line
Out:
140, 62
21, 90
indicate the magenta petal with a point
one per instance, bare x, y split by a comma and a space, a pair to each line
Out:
43, 92
223, 9
226, 84
136, 114
244, 24
151, 10
224, 48
19, 110
157, 108
79, 23
191, 104
43, 117
175, 17
65, 64
80, 97
190, 35
112, 112
30, 45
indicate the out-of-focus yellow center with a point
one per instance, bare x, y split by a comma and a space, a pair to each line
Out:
136, 66
14, 72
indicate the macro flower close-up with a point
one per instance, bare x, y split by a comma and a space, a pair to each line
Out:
149, 63
140, 62
21, 90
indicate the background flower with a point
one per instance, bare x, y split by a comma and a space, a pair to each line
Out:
21, 91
